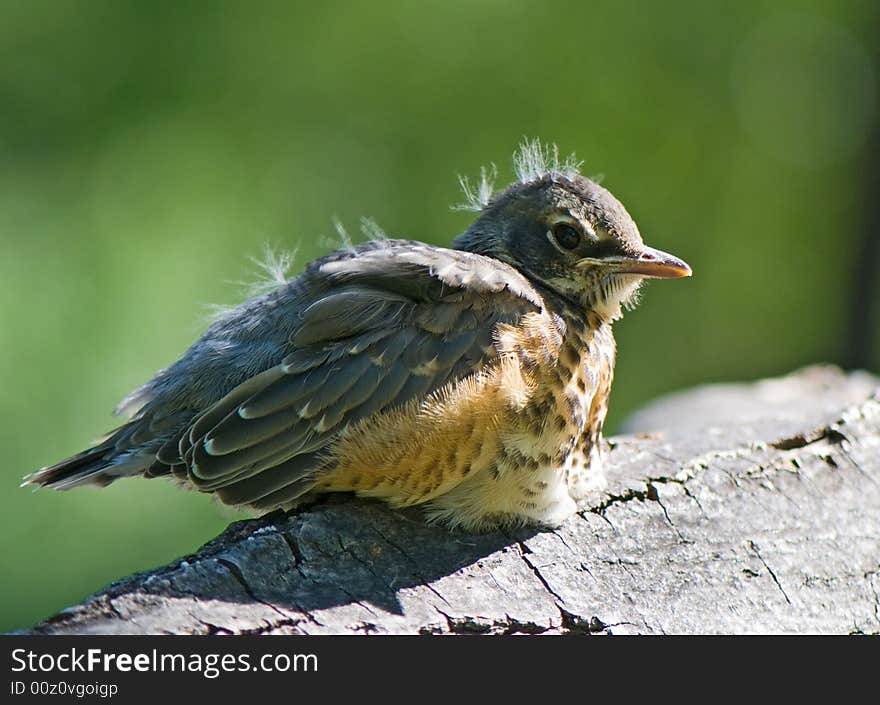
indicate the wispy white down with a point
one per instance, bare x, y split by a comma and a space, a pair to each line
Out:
371, 230
532, 161
477, 197
273, 268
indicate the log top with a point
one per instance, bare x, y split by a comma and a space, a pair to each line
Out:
730, 509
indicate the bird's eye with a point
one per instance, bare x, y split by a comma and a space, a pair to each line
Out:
566, 235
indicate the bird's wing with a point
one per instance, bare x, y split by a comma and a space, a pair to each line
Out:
391, 324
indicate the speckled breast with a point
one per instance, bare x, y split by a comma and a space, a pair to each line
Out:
564, 416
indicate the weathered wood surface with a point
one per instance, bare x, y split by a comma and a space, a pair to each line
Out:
761, 518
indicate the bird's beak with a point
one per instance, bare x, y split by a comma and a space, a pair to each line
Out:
648, 263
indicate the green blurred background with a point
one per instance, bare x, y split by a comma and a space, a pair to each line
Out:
148, 148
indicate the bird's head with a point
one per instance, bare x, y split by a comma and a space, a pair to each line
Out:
566, 232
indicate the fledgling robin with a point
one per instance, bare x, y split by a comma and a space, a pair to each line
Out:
472, 380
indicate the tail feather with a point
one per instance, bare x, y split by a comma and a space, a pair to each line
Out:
99, 465
81, 469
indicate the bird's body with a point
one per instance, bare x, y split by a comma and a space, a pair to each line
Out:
517, 440
473, 380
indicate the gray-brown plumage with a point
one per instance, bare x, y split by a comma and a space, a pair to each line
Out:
473, 380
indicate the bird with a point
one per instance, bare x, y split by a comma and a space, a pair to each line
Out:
471, 381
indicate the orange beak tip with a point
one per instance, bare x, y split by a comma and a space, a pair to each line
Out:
659, 264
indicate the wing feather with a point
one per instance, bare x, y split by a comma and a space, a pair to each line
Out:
390, 325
